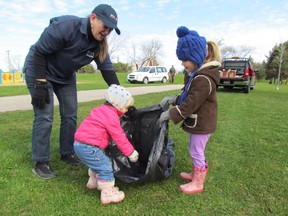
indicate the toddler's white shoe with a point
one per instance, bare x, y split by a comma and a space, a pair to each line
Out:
93, 180
111, 195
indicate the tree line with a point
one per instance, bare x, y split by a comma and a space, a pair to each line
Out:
273, 67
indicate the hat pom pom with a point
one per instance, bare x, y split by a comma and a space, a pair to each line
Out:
182, 31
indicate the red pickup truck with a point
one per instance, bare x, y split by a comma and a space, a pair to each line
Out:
237, 72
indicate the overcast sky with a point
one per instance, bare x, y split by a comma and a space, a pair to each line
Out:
259, 24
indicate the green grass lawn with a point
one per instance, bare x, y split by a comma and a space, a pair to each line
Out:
84, 82
247, 155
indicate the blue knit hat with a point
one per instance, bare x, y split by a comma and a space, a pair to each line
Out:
190, 46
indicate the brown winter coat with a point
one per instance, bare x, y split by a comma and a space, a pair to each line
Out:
199, 110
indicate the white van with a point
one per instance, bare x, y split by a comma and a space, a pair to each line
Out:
147, 74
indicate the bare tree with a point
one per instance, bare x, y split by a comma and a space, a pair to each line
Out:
13, 61
227, 51
116, 45
16, 62
242, 51
151, 50
132, 55
230, 51
146, 53
220, 42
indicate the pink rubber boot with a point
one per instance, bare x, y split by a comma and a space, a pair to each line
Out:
197, 183
188, 176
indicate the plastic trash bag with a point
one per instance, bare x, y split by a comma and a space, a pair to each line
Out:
156, 150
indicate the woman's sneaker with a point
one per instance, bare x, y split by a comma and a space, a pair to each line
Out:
43, 170
71, 159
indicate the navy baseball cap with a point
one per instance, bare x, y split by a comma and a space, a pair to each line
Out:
108, 15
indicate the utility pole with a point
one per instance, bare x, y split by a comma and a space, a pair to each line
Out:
9, 62
280, 65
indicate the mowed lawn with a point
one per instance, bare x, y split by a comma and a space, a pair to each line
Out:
84, 82
247, 155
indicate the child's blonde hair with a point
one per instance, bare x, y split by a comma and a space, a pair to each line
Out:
213, 52
129, 103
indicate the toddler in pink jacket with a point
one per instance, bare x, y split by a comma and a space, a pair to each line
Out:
93, 136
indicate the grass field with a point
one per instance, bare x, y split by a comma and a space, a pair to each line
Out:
84, 82
247, 155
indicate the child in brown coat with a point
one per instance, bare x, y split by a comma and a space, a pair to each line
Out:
197, 106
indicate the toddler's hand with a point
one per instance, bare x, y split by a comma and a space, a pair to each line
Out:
134, 156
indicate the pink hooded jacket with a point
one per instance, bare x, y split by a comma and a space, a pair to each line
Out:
103, 124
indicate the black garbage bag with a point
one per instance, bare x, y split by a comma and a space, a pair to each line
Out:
150, 139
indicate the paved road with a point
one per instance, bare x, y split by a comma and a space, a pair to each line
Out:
22, 102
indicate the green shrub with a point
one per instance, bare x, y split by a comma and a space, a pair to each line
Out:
89, 69
122, 67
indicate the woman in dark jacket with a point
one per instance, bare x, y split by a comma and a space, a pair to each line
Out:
67, 44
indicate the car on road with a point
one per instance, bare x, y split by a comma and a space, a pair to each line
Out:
148, 74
